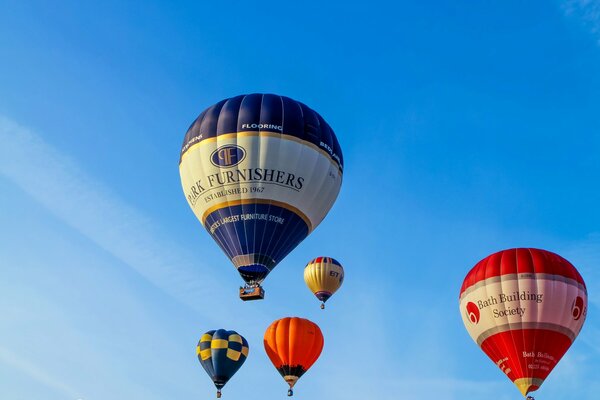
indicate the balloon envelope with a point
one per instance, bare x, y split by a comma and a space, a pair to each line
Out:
293, 345
260, 172
323, 276
524, 307
221, 353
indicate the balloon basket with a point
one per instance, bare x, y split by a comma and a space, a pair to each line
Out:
252, 293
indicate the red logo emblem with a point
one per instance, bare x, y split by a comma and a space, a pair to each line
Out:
577, 309
473, 312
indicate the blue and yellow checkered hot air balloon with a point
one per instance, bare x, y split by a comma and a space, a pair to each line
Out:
221, 354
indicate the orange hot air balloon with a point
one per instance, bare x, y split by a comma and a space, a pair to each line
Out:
293, 345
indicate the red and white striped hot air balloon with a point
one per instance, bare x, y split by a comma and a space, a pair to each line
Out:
524, 308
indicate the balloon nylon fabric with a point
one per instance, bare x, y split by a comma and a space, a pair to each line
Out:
221, 353
293, 345
260, 172
324, 276
524, 308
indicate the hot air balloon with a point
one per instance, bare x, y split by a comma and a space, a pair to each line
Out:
260, 172
323, 276
524, 307
221, 354
293, 345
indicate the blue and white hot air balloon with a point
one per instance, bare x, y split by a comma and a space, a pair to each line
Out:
260, 172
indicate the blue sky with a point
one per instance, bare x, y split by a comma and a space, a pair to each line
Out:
467, 127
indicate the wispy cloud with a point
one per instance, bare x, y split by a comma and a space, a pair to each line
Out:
29, 368
588, 11
85, 204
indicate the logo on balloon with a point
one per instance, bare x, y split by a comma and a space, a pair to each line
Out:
577, 308
473, 312
227, 156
